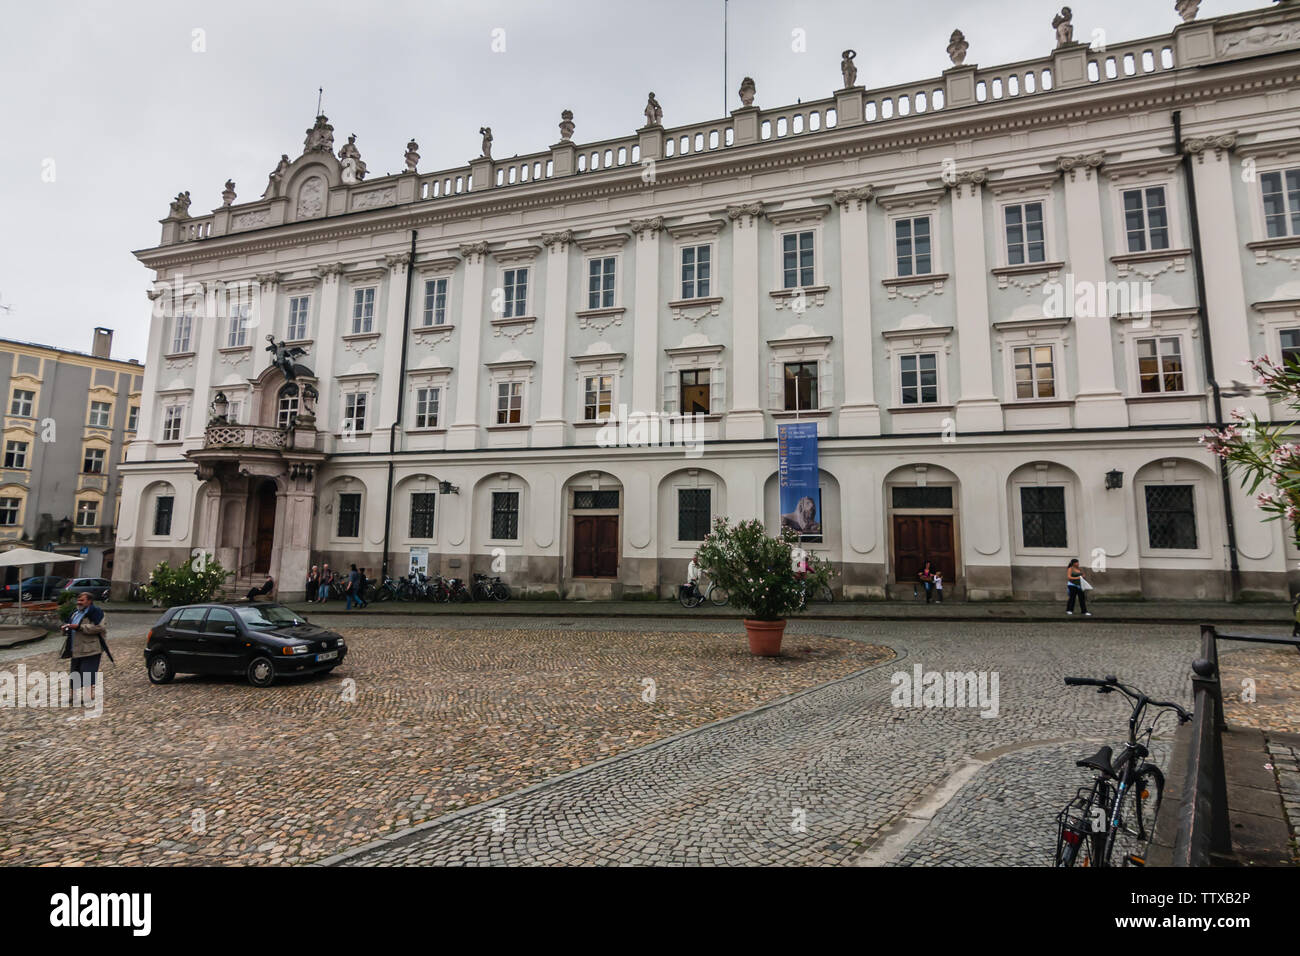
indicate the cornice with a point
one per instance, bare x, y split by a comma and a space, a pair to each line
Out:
1143, 168
1032, 183
698, 229
912, 198
600, 242
512, 254
797, 215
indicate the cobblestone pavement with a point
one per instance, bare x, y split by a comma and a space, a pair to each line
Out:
1269, 674
211, 770
1284, 750
813, 780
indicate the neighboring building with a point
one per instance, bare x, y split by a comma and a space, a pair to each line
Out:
67, 418
917, 269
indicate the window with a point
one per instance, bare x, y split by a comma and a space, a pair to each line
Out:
363, 311
426, 407
235, 412
1171, 516
797, 260
286, 410
435, 302
422, 514
1281, 190
912, 246
1025, 242
505, 515
1035, 371
697, 271
101, 414
1146, 219
87, 513
695, 391
921, 496
15, 454
171, 430
9, 511
918, 377
93, 461
354, 411
693, 513
1160, 365
1042, 517
298, 306
189, 618
515, 285
592, 500
162, 515
800, 386
349, 516
600, 283
598, 397
510, 403
132, 417
1290, 345
22, 403
238, 335
218, 620
181, 333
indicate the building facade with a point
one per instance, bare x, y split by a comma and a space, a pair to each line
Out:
68, 418
985, 288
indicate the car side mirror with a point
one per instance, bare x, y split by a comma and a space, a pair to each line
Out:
231, 629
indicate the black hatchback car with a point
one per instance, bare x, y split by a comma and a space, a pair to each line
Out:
260, 641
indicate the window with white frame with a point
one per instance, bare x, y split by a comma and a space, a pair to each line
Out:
363, 310
697, 271
299, 308
799, 376
15, 454
1160, 364
87, 513
162, 515
912, 250
797, 260
1146, 219
132, 417
183, 326
918, 378
22, 402
1289, 340
237, 337
1280, 190
92, 462
354, 411
101, 414
1034, 370
510, 403
171, 426
1025, 233
9, 508
514, 286
600, 282
696, 384
286, 409
435, 301
598, 397
428, 405
235, 412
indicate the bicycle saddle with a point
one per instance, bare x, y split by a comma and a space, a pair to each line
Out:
1100, 761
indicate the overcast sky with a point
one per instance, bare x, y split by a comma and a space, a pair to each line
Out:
116, 103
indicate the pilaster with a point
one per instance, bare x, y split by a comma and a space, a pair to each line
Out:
464, 432
645, 329
978, 408
745, 417
859, 415
551, 429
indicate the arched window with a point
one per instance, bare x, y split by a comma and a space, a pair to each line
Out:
287, 409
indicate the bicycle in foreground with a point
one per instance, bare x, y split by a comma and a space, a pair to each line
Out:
1118, 812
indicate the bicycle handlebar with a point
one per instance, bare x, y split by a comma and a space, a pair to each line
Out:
1110, 682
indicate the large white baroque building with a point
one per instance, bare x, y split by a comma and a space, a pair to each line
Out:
984, 287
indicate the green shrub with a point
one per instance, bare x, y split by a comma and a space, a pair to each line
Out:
193, 582
757, 570
67, 604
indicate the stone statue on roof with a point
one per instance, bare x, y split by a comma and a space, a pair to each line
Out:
277, 175
957, 47
1063, 24
847, 70
354, 169
320, 138
654, 113
180, 206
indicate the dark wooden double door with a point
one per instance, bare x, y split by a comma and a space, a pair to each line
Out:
595, 546
921, 538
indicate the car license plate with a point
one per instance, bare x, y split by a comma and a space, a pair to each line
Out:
327, 656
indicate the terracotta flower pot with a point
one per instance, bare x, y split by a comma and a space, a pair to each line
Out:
764, 637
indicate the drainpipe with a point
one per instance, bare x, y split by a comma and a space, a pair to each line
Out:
1198, 265
401, 401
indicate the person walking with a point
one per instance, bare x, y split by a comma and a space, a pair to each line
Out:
926, 577
326, 579
1074, 586
84, 644
313, 584
363, 587
351, 589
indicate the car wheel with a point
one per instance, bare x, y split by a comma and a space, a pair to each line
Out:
27, 595
261, 672
160, 669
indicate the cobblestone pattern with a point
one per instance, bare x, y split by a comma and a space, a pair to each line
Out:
1285, 756
1006, 815
810, 781
212, 770
1275, 673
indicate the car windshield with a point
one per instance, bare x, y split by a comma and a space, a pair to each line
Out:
269, 615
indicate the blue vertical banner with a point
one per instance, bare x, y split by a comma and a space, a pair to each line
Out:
801, 498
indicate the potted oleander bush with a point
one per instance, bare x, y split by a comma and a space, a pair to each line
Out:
757, 571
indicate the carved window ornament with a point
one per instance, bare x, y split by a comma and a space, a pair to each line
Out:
745, 215
853, 197
1087, 163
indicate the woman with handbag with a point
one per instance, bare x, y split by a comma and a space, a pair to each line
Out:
1075, 585
84, 643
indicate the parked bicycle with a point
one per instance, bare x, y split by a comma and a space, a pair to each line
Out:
1119, 810
693, 595
486, 588
458, 592
136, 592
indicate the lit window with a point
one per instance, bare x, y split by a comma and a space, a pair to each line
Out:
695, 391
87, 513
598, 398
510, 403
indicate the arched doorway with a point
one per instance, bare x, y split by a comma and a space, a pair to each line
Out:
264, 532
922, 503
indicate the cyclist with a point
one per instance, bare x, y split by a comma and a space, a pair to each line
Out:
693, 574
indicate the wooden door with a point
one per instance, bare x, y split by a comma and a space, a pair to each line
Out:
265, 528
921, 538
595, 546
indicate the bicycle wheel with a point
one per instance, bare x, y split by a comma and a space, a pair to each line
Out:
500, 592
1137, 817
690, 597
825, 595
718, 596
